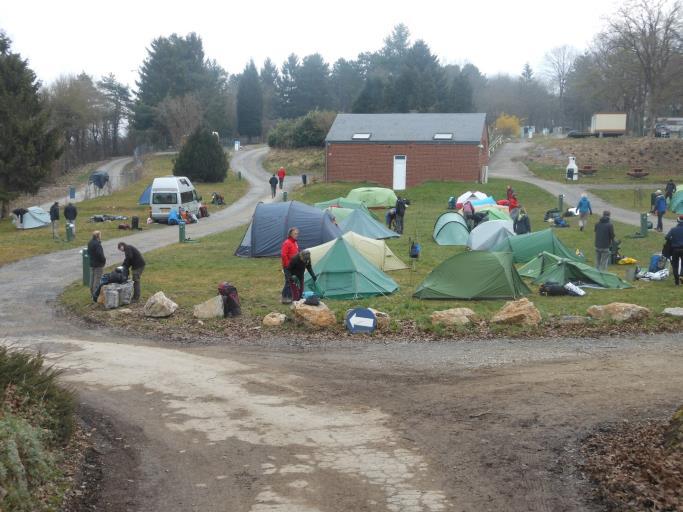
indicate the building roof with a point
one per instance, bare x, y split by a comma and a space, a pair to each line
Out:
434, 128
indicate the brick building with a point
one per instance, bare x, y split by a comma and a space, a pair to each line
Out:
403, 150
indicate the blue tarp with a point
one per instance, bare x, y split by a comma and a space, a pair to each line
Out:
145, 196
482, 202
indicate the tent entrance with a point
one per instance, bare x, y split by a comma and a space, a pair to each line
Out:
400, 172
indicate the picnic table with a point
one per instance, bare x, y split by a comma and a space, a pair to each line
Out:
637, 173
587, 170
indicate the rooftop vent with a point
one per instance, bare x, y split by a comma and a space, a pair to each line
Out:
443, 136
361, 136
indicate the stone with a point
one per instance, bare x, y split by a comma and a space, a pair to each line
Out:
673, 312
618, 312
274, 319
520, 311
383, 319
453, 316
673, 434
159, 306
316, 317
212, 308
119, 312
574, 319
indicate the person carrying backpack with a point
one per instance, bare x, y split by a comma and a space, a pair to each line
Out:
659, 208
273, 185
584, 209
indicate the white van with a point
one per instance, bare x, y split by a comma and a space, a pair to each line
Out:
169, 192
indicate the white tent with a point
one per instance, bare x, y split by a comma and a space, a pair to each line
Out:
376, 252
34, 217
467, 196
488, 234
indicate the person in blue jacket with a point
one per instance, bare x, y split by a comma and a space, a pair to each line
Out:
659, 208
675, 238
584, 209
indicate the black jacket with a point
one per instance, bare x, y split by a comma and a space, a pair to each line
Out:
273, 181
675, 236
96, 253
54, 212
604, 233
522, 225
70, 212
133, 258
400, 207
297, 266
670, 188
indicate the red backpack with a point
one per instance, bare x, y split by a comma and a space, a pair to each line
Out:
231, 299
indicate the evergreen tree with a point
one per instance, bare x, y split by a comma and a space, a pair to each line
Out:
269, 76
312, 84
346, 82
287, 93
202, 158
117, 106
371, 98
249, 103
459, 95
28, 146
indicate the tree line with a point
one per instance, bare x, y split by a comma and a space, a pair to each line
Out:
634, 65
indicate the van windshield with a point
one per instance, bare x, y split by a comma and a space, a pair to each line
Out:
164, 198
186, 197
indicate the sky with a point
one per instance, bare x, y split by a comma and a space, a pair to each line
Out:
98, 38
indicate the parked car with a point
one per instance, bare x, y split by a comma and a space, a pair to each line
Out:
663, 131
577, 134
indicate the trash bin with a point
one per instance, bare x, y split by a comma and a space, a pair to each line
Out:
72, 192
86, 266
304, 179
135, 222
560, 203
284, 196
181, 231
69, 232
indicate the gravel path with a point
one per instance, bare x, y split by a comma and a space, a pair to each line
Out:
506, 163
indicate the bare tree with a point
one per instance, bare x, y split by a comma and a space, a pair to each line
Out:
650, 30
181, 116
557, 65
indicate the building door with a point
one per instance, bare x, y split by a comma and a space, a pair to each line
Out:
399, 172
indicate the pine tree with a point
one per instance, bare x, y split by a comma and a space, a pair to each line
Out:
28, 147
287, 88
249, 103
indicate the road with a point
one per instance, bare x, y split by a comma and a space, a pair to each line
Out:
345, 425
507, 163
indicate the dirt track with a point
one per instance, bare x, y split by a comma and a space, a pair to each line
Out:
466, 426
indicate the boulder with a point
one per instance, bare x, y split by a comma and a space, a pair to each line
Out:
520, 311
159, 306
274, 319
453, 316
383, 319
212, 308
317, 317
673, 312
673, 435
618, 312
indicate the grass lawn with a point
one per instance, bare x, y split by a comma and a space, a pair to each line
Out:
189, 273
16, 244
605, 175
296, 161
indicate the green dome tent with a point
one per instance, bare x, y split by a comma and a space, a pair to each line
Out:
562, 270
343, 273
494, 213
451, 229
374, 197
473, 275
526, 247
376, 252
361, 223
676, 204
342, 202
337, 213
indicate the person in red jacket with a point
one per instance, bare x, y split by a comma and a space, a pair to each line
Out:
281, 176
289, 249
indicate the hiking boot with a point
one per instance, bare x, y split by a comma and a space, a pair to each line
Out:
286, 300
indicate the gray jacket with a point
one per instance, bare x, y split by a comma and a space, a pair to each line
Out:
604, 233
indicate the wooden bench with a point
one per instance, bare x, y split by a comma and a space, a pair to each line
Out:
637, 173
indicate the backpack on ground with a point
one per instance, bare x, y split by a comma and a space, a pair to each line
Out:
551, 214
657, 263
231, 300
552, 289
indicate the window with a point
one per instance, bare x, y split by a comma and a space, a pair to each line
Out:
164, 198
361, 136
186, 197
443, 136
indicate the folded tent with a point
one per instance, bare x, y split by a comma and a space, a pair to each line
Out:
361, 223
374, 197
33, 217
526, 247
271, 222
551, 268
376, 252
489, 234
473, 275
450, 229
343, 273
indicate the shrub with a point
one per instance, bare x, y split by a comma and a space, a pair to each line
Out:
202, 158
309, 130
508, 125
